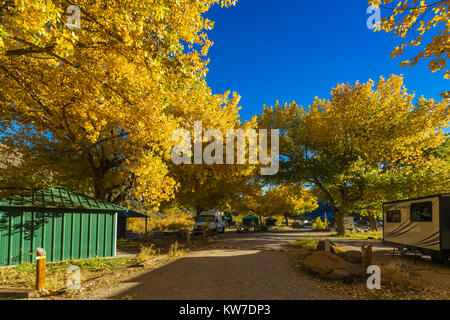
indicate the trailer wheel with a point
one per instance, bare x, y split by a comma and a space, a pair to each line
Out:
445, 258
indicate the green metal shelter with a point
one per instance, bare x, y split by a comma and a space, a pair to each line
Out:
67, 224
249, 219
271, 222
122, 222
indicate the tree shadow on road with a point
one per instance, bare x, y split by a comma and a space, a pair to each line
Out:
225, 275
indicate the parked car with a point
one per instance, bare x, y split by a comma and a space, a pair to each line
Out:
215, 218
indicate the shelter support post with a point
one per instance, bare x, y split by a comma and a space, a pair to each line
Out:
146, 225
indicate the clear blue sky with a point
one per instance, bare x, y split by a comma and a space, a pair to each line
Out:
287, 50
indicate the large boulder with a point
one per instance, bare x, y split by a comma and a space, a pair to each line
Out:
330, 266
301, 253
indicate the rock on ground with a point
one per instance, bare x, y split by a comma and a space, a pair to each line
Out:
351, 256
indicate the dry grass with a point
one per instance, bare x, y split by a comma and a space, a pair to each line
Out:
306, 243
146, 253
24, 275
398, 282
175, 251
174, 222
370, 235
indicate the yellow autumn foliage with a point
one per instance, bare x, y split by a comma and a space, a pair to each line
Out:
419, 19
156, 223
93, 109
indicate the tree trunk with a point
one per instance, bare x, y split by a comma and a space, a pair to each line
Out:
373, 222
99, 192
339, 220
99, 188
97, 174
287, 220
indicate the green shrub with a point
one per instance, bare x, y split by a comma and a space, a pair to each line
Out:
308, 243
319, 225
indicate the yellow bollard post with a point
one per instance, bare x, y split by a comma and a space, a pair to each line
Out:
41, 257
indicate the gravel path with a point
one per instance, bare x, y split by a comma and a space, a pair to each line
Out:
242, 274
247, 266
226, 274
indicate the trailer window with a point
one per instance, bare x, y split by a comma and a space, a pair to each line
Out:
421, 212
394, 216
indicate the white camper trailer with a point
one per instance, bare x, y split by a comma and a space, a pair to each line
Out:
421, 224
215, 218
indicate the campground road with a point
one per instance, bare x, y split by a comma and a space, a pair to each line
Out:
255, 269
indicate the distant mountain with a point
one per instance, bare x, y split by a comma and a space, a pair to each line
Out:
323, 211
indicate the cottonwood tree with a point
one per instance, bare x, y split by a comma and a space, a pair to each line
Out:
207, 187
101, 102
276, 200
426, 176
214, 186
289, 201
336, 144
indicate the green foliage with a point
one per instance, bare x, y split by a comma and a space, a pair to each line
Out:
349, 146
371, 235
307, 243
319, 225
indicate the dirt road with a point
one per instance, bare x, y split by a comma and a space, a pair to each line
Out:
258, 269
